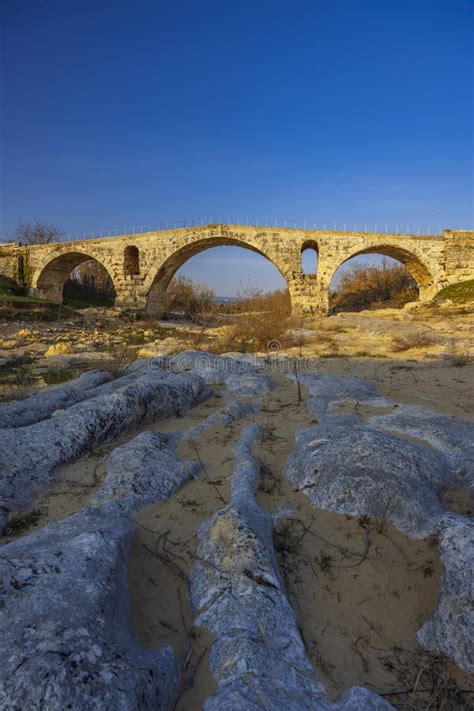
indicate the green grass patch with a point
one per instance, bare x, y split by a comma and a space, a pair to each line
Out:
15, 298
20, 523
78, 304
458, 293
32, 308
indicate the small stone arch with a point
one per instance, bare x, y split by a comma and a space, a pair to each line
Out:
414, 264
49, 280
159, 283
309, 248
131, 260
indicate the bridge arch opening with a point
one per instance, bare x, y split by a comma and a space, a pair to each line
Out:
309, 257
78, 276
379, 277
131, 260
232, 269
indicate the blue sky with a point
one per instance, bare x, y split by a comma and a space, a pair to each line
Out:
118, 114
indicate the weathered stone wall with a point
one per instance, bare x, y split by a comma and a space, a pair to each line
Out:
434, 260
459, 255
9, 254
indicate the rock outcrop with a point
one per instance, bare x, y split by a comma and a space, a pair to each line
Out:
238, 374
143, 471
66, 638
450, 629
453, 437
257, 658
67, 641
231, 412
42, 404
28, 455
358, 470
396, 466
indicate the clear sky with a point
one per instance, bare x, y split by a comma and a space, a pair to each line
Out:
118, 114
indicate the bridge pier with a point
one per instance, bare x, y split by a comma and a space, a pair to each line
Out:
309, 295
130, 293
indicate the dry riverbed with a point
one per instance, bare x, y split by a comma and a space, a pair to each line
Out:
359, 587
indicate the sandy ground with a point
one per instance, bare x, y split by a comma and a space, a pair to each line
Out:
342, 577
359, 587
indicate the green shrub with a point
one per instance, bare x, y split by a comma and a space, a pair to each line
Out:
458, 293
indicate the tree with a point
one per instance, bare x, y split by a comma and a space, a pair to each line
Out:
36, 232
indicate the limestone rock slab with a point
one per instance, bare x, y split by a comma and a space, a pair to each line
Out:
66, 639
28, 455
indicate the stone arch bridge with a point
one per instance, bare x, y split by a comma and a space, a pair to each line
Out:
142, 265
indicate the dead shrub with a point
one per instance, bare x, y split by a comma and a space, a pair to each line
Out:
188, 297
427, 681
458, 360
418, 339
260, 322
122, 357
253, 299
370, 287
252, 332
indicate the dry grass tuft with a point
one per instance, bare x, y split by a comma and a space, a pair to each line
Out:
458, 358
427, 681
418, 339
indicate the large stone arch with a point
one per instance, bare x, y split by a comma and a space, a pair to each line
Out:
49, 277
414, 263
157, 282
